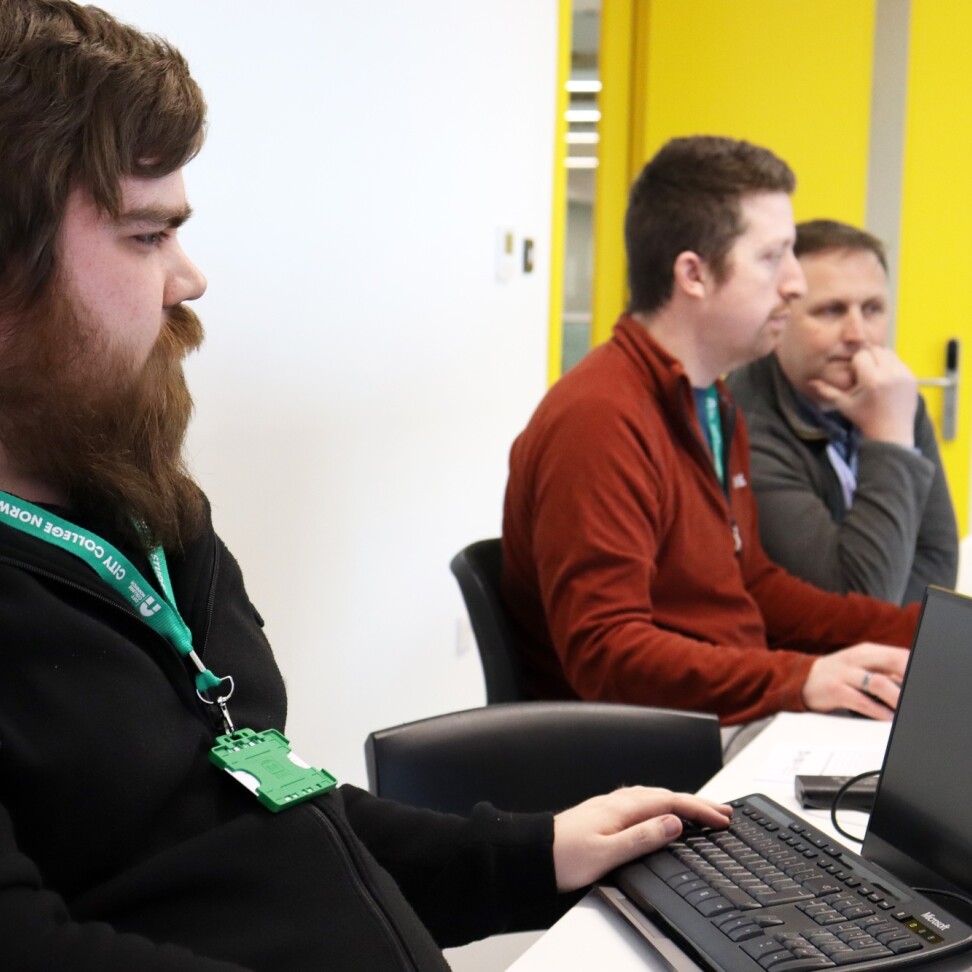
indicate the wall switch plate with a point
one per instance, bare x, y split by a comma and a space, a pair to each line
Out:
505, 253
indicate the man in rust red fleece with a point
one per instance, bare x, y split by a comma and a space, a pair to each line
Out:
633, 569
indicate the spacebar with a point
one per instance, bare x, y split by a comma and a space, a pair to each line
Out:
739, 898
781, 897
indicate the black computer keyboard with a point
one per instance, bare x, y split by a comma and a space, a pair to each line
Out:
774, 893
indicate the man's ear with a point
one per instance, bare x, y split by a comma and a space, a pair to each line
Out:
691, 273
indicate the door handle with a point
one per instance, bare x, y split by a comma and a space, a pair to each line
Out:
949, 383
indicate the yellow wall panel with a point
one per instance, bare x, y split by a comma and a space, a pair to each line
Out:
936, 215
794, 75
558, 230
614, 175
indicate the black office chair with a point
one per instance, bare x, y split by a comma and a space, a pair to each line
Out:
477, 569
532, 756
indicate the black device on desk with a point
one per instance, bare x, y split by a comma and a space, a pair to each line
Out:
775, 893
819, 792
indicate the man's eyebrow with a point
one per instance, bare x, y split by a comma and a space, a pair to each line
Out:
829, 303
159, 215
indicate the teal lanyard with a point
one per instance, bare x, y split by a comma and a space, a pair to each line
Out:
157, 610
261, 761
713, 424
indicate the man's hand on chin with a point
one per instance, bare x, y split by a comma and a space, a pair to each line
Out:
882, 400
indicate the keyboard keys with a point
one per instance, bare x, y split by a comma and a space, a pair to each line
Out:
762, 946
740, 898
677, 880
685, 888
858, 955
857, 911
701, 895
770, 897
768, 921
822, 885
711, 907
842, 956
666, 867
777, 960
901, 945
733, 880
745, 932
803, 964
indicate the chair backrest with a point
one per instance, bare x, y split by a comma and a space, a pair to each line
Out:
531, 756
477, 569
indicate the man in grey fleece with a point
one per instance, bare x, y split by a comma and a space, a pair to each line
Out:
850, 486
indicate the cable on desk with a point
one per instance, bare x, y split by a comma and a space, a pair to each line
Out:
839, 795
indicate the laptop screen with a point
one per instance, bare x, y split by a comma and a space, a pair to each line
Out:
921, 825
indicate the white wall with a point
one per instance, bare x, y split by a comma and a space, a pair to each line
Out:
364, 373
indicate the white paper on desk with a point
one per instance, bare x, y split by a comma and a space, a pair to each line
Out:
785, 762
813, 744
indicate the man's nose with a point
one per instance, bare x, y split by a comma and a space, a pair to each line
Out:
793, 283
852, 327
186, 281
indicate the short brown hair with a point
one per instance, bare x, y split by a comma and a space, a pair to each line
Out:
823, 235
86, 100
688, 198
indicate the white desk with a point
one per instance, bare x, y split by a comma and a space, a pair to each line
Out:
816, 745
591, 935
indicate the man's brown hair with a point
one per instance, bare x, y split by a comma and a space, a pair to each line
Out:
825, 235
84, 100
688, 198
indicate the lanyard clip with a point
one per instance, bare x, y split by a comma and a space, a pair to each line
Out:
221, 701
227, 721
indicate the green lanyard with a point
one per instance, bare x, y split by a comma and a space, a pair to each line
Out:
158, 611
713, 424
261, 761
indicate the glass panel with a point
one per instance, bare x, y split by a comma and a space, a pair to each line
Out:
582, 148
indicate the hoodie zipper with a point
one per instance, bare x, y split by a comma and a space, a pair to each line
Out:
368, 892
211, 600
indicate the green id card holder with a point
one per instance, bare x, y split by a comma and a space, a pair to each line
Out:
265, 765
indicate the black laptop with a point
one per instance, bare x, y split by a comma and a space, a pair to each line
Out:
775, 894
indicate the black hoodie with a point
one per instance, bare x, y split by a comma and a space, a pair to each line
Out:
123, 848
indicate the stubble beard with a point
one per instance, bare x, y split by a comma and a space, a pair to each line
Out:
74, 413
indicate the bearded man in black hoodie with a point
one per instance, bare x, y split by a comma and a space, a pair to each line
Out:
133, 658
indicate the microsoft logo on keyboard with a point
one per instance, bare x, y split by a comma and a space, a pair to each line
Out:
932, 920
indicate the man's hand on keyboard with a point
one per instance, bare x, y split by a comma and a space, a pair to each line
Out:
606, 831
864, 678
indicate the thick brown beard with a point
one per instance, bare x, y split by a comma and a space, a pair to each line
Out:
72, 414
